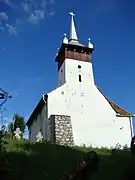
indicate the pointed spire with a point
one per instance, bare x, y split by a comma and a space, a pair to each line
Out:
65, 39
90, 45
73, 34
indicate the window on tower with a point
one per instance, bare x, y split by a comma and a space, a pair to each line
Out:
79, 67
80, 78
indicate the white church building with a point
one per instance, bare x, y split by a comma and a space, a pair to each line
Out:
77, 112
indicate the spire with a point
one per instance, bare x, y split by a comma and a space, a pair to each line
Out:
73, 34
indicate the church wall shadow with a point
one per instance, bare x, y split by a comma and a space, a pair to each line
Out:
40, 161
46, 161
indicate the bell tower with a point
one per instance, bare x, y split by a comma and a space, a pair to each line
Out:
74, 59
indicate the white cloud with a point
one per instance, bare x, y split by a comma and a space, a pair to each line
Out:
36, 16
7, 2
32, 11
51, 13
11, 29
3, 16
18, 21
36, 9
39, 14
25, 7
33, 19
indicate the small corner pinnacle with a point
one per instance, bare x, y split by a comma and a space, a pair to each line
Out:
65, 39
90, 45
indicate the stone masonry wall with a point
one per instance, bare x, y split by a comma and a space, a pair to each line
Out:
61, 130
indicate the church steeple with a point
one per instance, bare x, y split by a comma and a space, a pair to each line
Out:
72, 49
73, 34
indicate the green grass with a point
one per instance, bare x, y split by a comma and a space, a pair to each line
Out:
33, 161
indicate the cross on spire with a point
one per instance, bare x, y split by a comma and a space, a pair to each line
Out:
72, 14
73, 34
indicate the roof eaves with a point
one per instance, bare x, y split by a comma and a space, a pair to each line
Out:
35, 112
120, 111
120, 115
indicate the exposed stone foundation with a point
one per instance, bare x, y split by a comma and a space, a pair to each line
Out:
61, 130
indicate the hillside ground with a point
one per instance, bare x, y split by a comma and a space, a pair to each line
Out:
42, 161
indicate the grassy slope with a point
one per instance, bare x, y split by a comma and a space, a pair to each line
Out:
33, 161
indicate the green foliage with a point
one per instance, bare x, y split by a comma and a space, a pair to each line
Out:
17, 122
47, 161
10, 127
2, 142
3, 158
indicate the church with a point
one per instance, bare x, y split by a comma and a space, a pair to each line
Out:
77, 112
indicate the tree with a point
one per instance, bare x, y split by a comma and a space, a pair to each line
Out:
10, 127
17, 122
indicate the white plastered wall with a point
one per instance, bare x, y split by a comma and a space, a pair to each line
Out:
94, 122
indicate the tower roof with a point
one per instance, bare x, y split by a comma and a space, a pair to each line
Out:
73, 38
73, 34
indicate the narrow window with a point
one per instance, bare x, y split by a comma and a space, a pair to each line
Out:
80, 79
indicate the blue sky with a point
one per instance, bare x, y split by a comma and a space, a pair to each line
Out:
32, 30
